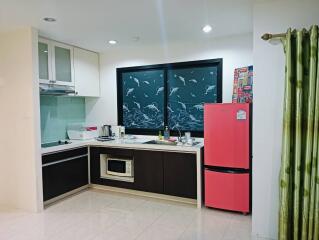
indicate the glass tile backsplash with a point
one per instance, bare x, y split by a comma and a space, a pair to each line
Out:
57, 113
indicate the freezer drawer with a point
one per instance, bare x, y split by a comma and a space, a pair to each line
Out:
229, 191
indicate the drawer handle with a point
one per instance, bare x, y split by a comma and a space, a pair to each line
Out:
64, 160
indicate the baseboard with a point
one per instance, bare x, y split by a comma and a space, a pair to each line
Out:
144, 194
65, 195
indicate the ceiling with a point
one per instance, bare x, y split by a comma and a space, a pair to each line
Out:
91, 23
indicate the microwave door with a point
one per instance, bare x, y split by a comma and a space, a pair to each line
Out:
115, 167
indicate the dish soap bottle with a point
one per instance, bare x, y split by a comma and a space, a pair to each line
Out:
166, 133
160, 137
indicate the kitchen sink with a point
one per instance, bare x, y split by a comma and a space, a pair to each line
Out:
161, 142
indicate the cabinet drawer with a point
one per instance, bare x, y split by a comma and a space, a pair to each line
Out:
57, 156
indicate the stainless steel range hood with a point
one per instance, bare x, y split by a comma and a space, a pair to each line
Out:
57, 90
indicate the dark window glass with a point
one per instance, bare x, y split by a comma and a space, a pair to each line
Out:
143, 99
188, 90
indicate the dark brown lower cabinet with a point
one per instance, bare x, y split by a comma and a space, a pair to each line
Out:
154, 171
95, 166
148, 171
180, 174
63, 172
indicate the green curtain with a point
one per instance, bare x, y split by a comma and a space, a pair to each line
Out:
299, 174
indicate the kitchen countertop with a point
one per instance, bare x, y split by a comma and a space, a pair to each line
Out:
136, 143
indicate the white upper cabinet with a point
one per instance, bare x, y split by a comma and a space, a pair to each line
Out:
86, 73
64, 64
55, 62
45, 65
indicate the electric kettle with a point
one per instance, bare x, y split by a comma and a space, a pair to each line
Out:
107, 131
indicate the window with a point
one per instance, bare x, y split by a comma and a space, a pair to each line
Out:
189, 89
143, 99
151, 97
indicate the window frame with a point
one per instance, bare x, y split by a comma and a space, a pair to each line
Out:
218, 62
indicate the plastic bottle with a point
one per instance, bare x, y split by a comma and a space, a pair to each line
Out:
166, 133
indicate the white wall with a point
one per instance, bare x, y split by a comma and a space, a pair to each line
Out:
20, 162
273, 17
236, 51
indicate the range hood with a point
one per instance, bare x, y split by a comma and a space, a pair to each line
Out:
57, 90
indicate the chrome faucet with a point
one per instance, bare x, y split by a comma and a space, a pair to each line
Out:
179, 139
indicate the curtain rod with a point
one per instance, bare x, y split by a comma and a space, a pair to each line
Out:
268, 36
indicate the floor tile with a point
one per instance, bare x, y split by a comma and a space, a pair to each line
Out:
99, 215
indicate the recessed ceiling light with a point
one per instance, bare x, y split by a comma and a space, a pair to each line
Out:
112, 42
207, 28
136, 39
49, 19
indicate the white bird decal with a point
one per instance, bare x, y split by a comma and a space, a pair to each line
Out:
182, 79
193, 118
209, 89
193, 95
146, 117
133, 124
137, 82
183, 105
152, 107
193, 80
146, 82
170, 109
129, 91
159, 90
199, 106
145, 95
173, 90
126, 108
138, 105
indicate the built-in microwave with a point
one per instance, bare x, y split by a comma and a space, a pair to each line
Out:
117, 168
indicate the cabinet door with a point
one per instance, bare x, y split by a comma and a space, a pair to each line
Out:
180, 174
148, 171
228, 191
62, 64
44, 55
65, 176
86, 73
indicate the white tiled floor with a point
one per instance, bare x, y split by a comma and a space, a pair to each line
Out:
94, 215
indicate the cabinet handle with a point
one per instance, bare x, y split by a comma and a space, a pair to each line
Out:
64, 160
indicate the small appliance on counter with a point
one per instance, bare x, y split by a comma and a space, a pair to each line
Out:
113, 131
106, 131
227, 158
81, 132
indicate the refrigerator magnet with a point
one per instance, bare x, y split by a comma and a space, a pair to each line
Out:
241, 115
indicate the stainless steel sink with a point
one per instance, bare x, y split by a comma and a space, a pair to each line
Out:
161, 142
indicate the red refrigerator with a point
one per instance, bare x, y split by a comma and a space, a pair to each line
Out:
227, 158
